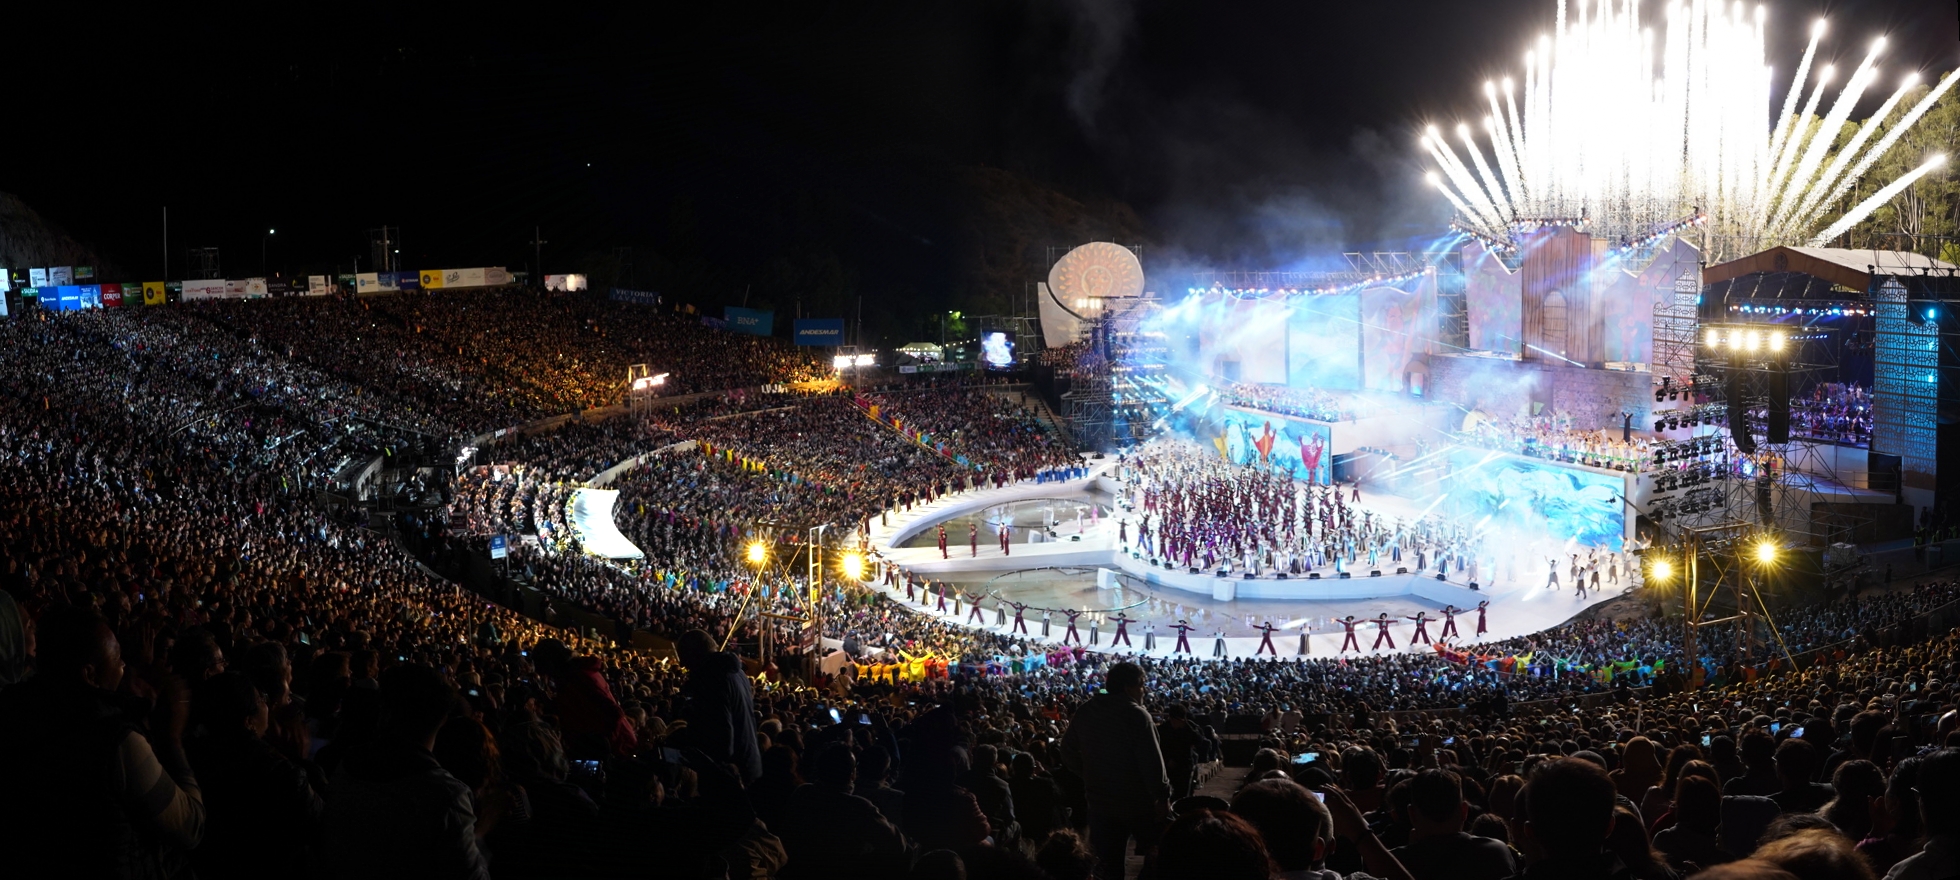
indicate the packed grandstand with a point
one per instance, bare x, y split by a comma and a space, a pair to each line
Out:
307, 670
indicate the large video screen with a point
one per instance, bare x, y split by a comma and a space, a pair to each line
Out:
1535, 500
997, 349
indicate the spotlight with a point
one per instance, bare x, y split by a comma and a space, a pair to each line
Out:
1766, 552
1755, 340
853, 566
757, 553
1662, 570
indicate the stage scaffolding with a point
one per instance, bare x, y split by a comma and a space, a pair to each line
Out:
1116, 392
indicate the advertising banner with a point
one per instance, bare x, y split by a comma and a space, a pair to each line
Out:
316, 285
210, 288
431, 279
112, 296
67, 298
91, 296
760, 322
496, 276
60, 275
6, 280
820, 331
565, 282
84, 273
408, 280
370, 282
254, 287
235, 288
153, 293
462, 278
640, 297
37, 278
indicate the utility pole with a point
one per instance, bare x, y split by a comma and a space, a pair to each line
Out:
166, 242
537, 255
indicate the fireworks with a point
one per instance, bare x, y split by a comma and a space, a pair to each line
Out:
1634, 133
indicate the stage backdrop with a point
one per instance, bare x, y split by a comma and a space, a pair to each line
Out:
1323, 342
1535, 499
1396, 326
1245, 331
1302, 448
1493, 294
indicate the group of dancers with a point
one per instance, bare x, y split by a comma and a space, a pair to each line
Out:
969, 608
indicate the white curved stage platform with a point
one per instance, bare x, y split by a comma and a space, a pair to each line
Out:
1515, 609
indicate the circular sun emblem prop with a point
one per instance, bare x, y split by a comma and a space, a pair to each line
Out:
1096, 270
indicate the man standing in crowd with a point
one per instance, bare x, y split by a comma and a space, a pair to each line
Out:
1569, 805
720, 708
85, 793
1112, 745
393, 811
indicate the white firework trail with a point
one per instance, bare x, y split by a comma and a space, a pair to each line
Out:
1629, 130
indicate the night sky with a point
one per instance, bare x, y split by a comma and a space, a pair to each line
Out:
1249, 134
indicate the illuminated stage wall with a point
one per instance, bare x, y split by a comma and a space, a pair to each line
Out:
1536, 499
1323, 342
1363, 339
1493, 294
1302, 448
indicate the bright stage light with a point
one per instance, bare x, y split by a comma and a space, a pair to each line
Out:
852, 565
757, 553
1776, 342
1712, 339
1633, 129
1662, 570
1766, 552
1754, 341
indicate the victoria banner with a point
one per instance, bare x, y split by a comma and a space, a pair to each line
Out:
820, 331
619, 294
760, 322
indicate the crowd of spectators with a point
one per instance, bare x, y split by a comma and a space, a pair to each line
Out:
1835, 412
1553, 436
204, 673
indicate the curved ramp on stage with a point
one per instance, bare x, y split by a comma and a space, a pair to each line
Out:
592, 522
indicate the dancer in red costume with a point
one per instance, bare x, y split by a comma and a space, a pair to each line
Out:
1266, 639
1382, 623
1481, 607
1449, 620
1350, 641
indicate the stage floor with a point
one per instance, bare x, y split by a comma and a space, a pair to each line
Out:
1062, 573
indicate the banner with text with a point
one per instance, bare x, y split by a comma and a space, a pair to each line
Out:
154, 293
820, 331
565, 282
112, 296
210, 288
316, 285
760, 322
621, 294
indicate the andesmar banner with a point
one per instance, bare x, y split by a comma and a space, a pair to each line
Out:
820, 331
760, 322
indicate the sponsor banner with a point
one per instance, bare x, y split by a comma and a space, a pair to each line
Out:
372, 282
820, 331
277, 287
84, 273
67, 298
154, 293
621, 294
565, 282
462, 278
760, 322
91, 296
6, 280
112, 296
316, 285
254, 287
211, 288
496, 276
431, 279
61, 275
235, 288
37, 278
408, 280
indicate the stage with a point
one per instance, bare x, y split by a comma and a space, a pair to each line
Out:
1084, 568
